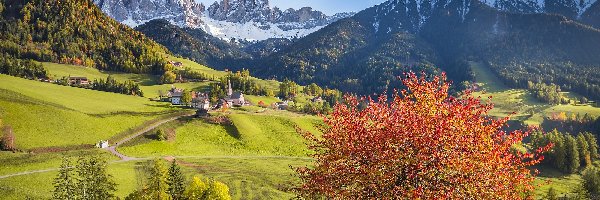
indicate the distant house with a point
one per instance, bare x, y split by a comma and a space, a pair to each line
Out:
317, 100
175, 96
281, 105
200, 101
78, 80
176, 64
102, 144
235, 98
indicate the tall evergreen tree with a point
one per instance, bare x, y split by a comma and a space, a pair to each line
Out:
64, 183
572, 158
593, 145
157, 181
175, 180
94, 182
584, 150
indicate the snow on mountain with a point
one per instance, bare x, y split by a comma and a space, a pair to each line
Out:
240, 19
568, 7
252, 31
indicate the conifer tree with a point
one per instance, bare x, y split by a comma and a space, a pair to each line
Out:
572, 154
64, 183
157, 181
175, 180
94, 183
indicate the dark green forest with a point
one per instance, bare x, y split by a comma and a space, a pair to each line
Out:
75, 32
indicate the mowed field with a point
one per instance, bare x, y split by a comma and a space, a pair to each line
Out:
49, 115
523, 106
520, 103
255, 155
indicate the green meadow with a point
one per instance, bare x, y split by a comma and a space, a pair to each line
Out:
520, 103
49, 115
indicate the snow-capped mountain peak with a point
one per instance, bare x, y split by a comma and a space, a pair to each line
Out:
227, 19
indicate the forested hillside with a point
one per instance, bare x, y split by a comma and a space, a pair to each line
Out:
194, 44
75, 32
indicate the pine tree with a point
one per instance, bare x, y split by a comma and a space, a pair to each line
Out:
175, 180
593, 145
157, 181
551, 195
584, 150
94, 182
572, 158
64, 183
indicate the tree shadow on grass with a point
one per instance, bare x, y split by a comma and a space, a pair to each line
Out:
232, 131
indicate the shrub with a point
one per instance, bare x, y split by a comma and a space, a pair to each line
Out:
8, 139
420, 144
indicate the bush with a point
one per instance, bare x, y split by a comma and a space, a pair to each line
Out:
419, 144
8, 139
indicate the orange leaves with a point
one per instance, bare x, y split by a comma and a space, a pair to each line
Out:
421, 144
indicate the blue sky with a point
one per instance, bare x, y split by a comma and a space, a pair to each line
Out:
327, 6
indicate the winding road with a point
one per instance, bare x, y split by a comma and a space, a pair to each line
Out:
113, 149
125, 158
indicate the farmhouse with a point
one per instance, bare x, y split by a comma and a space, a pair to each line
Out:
78, 80
175, 95
176, 64
317, 100
200, 101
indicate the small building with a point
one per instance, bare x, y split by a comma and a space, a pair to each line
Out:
281, 105
200, 101
176, 64
175, 96
317, 100
78, 80
235, 98
103, 144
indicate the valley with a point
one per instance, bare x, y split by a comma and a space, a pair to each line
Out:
244, 100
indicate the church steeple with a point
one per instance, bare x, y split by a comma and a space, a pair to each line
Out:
230, 90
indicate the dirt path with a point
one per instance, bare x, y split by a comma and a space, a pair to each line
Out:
113, 149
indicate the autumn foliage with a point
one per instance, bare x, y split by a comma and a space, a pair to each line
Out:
420, 144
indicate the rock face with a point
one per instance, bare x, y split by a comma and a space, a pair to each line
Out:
227, 19
573, 9
259, 11
136, 12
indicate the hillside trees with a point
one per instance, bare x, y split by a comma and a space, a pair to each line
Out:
420, 144
175, 181
546, 93
169, 184
64, 183
168, 77
186, 98
21, 68
88, 180
76, 32
112, 85
570, 153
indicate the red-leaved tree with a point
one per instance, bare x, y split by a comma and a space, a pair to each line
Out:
421, 144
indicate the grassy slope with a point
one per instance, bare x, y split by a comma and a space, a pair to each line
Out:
149, 83
520, 101
251, 134
44, 114
531, 111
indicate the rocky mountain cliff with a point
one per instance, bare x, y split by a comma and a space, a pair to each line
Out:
136, 12
227, 19
572, 9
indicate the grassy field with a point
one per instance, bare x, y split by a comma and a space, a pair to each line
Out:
58, 71
528, 109
247, 177
44, 114
251, 134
